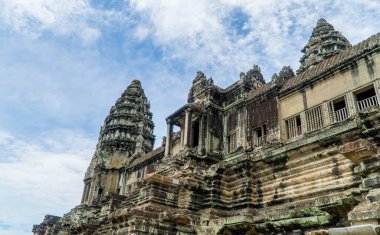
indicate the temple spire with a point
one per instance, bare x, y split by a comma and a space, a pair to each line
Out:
324, 42
128, 128
127, 133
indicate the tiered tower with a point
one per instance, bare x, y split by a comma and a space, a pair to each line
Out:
324, 42
127, 134
129, 127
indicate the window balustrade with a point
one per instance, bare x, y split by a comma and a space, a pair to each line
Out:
367, 103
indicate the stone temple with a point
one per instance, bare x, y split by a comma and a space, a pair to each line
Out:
297, 155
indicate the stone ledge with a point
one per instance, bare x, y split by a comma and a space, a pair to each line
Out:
357, 150
312, 138
160, 179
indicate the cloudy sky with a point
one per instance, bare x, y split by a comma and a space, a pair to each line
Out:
64, 63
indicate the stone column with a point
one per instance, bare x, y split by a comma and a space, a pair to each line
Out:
352, 109
121, 182
202, 133
376, 86
326, 113
188, 124
84, 193
225, 134
207, 131
91, 192
182, 136
243, 124
168, 137
303, 123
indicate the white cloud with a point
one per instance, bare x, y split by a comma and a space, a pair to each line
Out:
63, 18
200, 33
43, 175
192, 31
141, 33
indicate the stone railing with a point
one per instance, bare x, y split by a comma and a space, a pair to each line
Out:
366, 103
260, 141
341, 115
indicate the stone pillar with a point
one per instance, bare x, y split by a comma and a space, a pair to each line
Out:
326, 113
351, 103
91, 191
303, 123
168, 137
244, 127
188, 125
376, 86
84, 193
202, 132
207, 131
182, 136
121, 182
225, 134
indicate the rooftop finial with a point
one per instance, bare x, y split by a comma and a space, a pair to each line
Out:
200, 74
321, 21
286, 73
255, 72
136, 82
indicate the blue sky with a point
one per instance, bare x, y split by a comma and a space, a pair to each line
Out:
63, 64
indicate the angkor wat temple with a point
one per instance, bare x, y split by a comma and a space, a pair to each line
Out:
297, 155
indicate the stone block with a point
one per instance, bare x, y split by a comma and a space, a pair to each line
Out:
318, 232
372, 182
373, 195
160, 179
357, 150
365, 212
367, 229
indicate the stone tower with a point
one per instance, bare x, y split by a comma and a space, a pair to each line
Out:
324, 42
129, 127
127, 133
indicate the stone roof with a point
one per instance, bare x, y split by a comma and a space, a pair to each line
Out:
229, 88
147, 156
318, 71
198, 107
260, 90
254, 75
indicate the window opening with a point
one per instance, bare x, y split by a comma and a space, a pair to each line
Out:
366, 99
293, 126
259, 136
195, 134
231, 138
314, 118
338, 110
